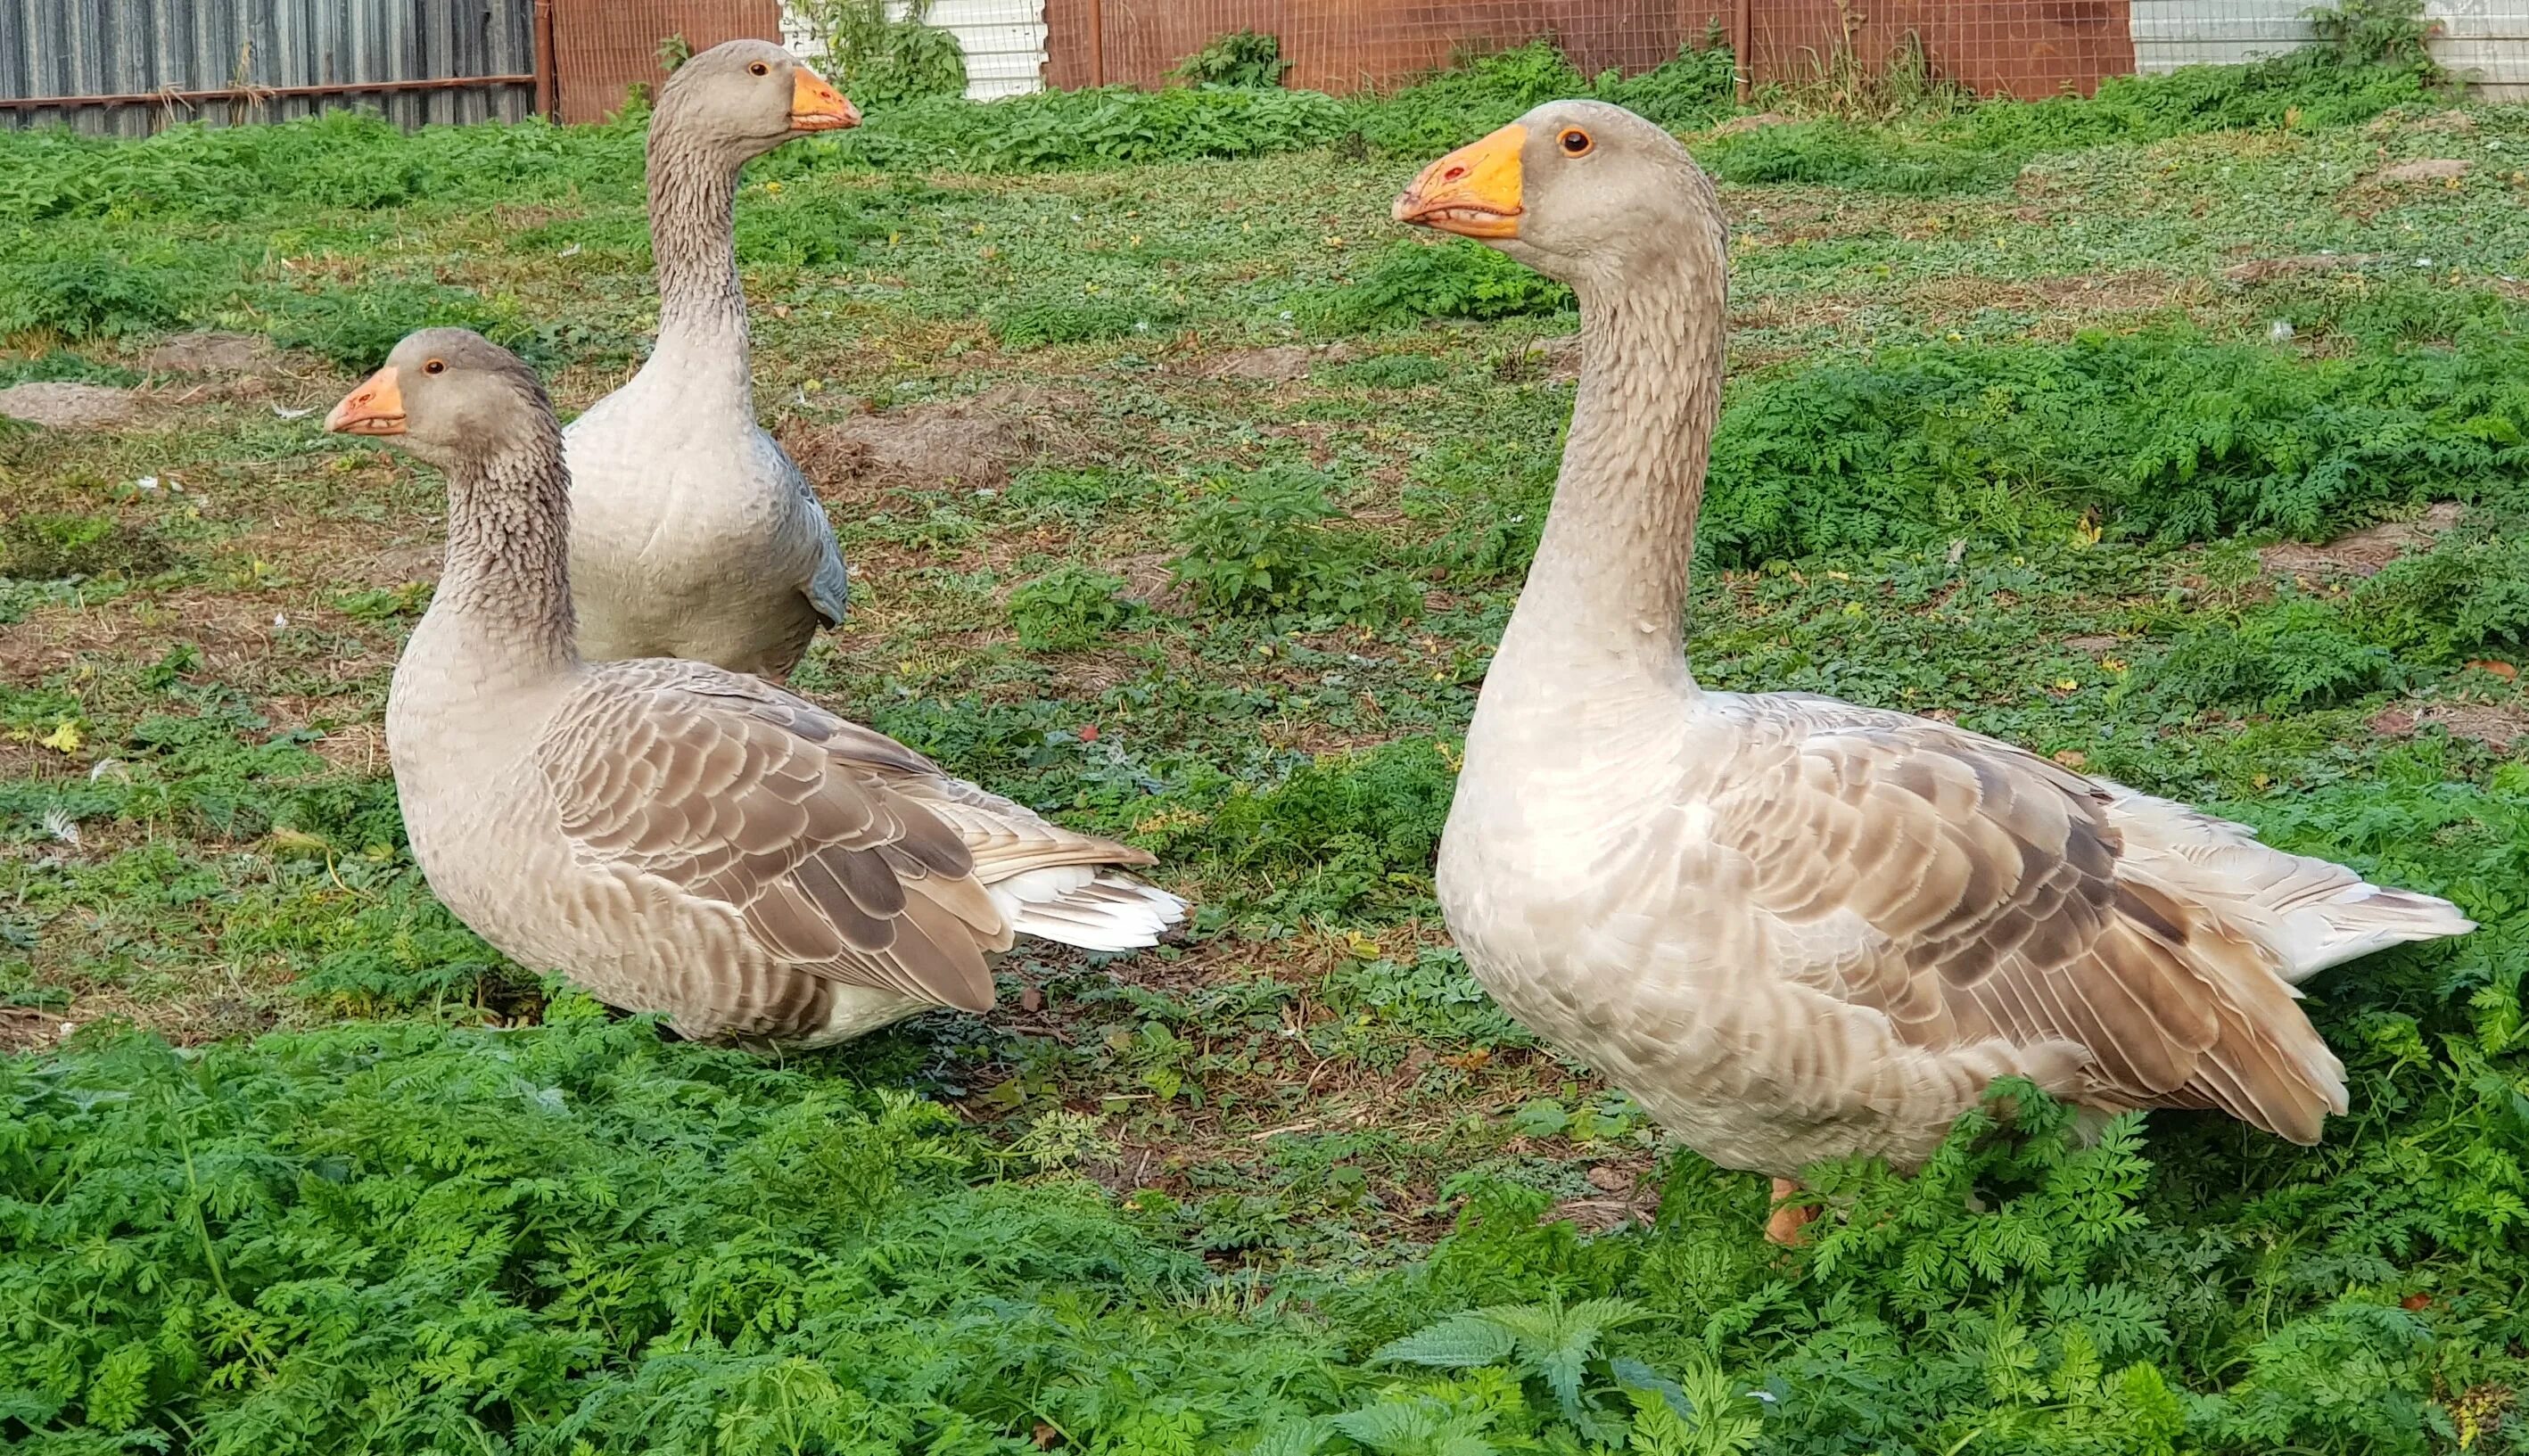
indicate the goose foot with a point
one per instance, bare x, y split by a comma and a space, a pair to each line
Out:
1788, 1220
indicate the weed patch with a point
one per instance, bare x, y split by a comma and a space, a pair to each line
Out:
1262, 545
1457, 279
1068, 607
2160, 435
1035, 322
50, 547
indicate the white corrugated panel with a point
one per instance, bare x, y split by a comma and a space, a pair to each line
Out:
2484, 42
2170, 33
1003, 41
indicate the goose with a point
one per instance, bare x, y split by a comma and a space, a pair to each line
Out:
672, 835
694, 535
1796, 929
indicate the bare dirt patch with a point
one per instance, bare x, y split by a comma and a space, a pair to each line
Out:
974, 441
2446, 169
2364, 552
1280, 364
74, 407
2497, 725
31, 1028
2258, 270
213, 353
1151, 578
1558, 358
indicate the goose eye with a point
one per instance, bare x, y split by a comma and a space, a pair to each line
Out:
758, 69
1575, 143
435, 366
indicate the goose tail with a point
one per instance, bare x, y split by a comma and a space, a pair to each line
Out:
2309, 914
1093, 907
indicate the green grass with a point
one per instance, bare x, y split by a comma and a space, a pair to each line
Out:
2007, 432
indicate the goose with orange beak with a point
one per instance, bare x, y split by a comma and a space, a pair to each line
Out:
693, 533
1796, 929
674, 837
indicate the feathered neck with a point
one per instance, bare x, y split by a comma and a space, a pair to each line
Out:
694, 237
506, 582
1608, 592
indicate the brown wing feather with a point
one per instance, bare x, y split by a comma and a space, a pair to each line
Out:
737, 792
1996, 903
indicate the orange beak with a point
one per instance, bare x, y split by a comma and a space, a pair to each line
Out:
374, 408
1474, 192
816, 106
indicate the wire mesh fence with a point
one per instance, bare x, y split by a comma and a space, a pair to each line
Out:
603, 48
1344, 45
135, 64
2021, 47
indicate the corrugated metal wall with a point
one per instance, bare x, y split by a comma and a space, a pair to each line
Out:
2482, 41
138, 47
1003, 41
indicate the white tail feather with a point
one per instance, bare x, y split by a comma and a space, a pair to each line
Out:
2309, 914
1087, 906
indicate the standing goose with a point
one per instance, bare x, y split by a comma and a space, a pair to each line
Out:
694, 534
1796, 929
672, 835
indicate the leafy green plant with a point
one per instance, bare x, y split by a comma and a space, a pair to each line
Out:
2377, 33
812, 226
1546, 1342
1431, 996
1068, 607
90, 294
357, 328
1262, 545
1412, 280
1338, 834
1457, 105
2292, 653
2469, 594
2158, 434
1243, 59
1033, 322
886, 53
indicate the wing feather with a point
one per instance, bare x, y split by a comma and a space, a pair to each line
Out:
1996, 901
729, 790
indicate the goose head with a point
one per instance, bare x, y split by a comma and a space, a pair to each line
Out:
448, 395
750, 97
1581, 192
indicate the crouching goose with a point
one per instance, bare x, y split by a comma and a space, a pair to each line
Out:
1796, 929
693, 533
672, 835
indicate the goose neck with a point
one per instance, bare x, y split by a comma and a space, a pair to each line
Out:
693, 235
1608, 591
506, 582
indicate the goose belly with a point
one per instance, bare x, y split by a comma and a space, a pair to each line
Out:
487, 836
1683, 1001
691, 551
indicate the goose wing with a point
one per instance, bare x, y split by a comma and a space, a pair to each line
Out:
1971, 889
727, 789
829, 586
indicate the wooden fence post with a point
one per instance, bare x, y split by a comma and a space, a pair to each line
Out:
1743, 46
